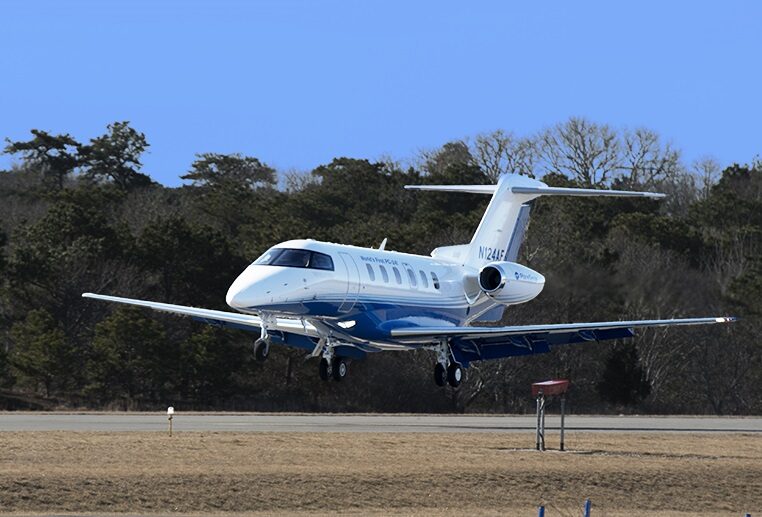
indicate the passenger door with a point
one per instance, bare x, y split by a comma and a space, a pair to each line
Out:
353, 282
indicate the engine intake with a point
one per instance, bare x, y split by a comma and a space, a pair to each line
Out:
491, 279
509, 283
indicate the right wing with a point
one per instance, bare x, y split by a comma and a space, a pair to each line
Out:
204, 315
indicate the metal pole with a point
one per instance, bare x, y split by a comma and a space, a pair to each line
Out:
563, 412
542, 427
541, 511
170, 424
537, 429
588, 505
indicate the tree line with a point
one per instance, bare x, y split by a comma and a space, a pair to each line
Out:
78, 217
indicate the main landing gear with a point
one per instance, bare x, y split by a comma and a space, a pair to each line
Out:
447, 370
331, 365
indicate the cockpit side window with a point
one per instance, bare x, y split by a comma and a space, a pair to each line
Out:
321, 261
295, 258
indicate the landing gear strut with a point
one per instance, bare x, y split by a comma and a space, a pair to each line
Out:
447, 370
332, 365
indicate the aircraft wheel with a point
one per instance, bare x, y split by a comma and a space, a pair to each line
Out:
340, 369
323, 369
454, 374
261, 350
440, 374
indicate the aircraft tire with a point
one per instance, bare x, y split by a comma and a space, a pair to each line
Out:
440, 374
323, 369
261, 350
454, 374
340, 368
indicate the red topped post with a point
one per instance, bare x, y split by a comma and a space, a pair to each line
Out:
549, 388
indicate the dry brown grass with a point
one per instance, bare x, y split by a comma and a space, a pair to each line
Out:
410, 474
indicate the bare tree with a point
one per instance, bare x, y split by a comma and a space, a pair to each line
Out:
294, 180
499, 152
587, 151
645, 160
707, 171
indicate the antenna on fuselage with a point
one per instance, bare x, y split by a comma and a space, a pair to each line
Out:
383, 243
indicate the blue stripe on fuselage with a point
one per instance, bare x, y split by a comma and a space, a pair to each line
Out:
375, 319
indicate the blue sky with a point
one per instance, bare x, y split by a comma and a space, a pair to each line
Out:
296, 83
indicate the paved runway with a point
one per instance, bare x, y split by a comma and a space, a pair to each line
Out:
254, 422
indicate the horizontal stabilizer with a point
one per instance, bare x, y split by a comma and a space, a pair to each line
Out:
536, 191
469, 189
560, 191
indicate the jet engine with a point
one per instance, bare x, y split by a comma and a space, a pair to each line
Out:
509, 283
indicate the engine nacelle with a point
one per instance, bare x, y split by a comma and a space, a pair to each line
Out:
509, 283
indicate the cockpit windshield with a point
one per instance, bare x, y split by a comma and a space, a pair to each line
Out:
295, 258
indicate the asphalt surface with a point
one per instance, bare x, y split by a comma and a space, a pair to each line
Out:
253, 422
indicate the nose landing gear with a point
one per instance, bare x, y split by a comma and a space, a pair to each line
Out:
262, 345
261, 349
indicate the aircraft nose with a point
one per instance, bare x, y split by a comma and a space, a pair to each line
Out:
253, 287
234, 297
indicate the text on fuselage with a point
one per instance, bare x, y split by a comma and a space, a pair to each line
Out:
492, 254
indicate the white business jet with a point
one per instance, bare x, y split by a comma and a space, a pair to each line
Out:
341, 302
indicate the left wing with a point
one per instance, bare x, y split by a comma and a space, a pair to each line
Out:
482, 343
416, 333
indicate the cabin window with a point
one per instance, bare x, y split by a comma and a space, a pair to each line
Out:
424, 280
295, 258
435, 280
371, 273
397, 275
411, 276
384, 274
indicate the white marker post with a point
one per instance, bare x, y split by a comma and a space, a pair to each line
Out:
170, 412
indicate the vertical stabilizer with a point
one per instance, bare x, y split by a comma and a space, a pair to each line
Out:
501, 230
